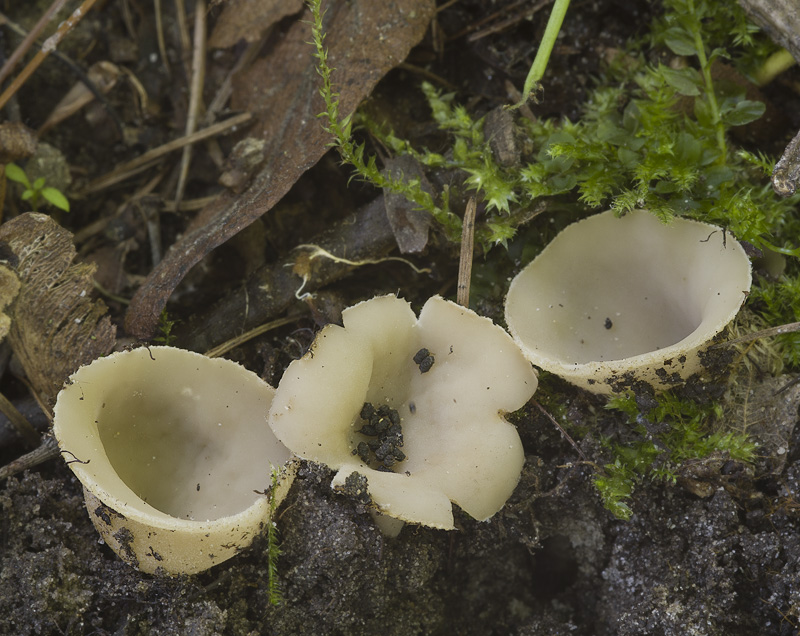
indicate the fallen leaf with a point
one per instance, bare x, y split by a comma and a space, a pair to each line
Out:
409, 223
248, 20
366, 39
56, 327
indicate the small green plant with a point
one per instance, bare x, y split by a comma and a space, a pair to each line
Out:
165, 326
652, 136
273, 547
36, 192
691, 433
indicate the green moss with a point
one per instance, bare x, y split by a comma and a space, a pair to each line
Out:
651, 136
666, 435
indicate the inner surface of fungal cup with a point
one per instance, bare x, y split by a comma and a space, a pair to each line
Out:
426, 428
173, 450
613, 298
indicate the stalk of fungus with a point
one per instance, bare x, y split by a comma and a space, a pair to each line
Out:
413, 408
174, 455
615, 300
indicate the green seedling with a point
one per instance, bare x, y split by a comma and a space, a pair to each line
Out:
36, 192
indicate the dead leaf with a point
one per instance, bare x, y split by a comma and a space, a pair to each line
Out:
55, 325
409, 223
248, 20
366, 39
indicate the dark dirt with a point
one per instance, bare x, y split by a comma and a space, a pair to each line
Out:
553, 561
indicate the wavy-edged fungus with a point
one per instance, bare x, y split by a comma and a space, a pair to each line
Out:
174, 453
424, 427
613, 300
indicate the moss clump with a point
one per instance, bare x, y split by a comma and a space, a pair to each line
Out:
668, 432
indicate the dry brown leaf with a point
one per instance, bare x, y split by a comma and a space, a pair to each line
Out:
409, 223
366, 39
55, 325
248, 20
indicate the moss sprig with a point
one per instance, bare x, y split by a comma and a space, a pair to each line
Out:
273, 545
688, 431
341, 130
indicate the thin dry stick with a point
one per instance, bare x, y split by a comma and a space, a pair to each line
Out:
195, 92
156, 153
162, 47
47, 450
791, 327
18, 421
560, 428
467, 245
249, 335
226, 88
183, 32
49, 46
29, 39
189, 205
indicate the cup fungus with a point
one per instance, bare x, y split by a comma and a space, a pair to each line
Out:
174, 454
613, 300
414, 405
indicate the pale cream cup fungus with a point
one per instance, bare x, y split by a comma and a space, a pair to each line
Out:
614, 300
174, 453
414, 405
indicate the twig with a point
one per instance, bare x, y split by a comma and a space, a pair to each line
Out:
76, 69
467, 245
46, 451
50, 45
29, 39
791, 327
195, 92
156, 153
226, 346
162, 47
560, 428
183, 29
18, 421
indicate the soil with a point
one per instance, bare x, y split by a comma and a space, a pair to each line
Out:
718, 552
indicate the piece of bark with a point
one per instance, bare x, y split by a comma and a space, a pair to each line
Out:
787, 171
9, 286
366, 39
271, 290
55, 325
17, 142
780, 19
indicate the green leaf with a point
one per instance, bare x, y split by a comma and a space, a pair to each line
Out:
27, 195
744, 112
56, 198
38, 184
17, 174
679, 41
686, 81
